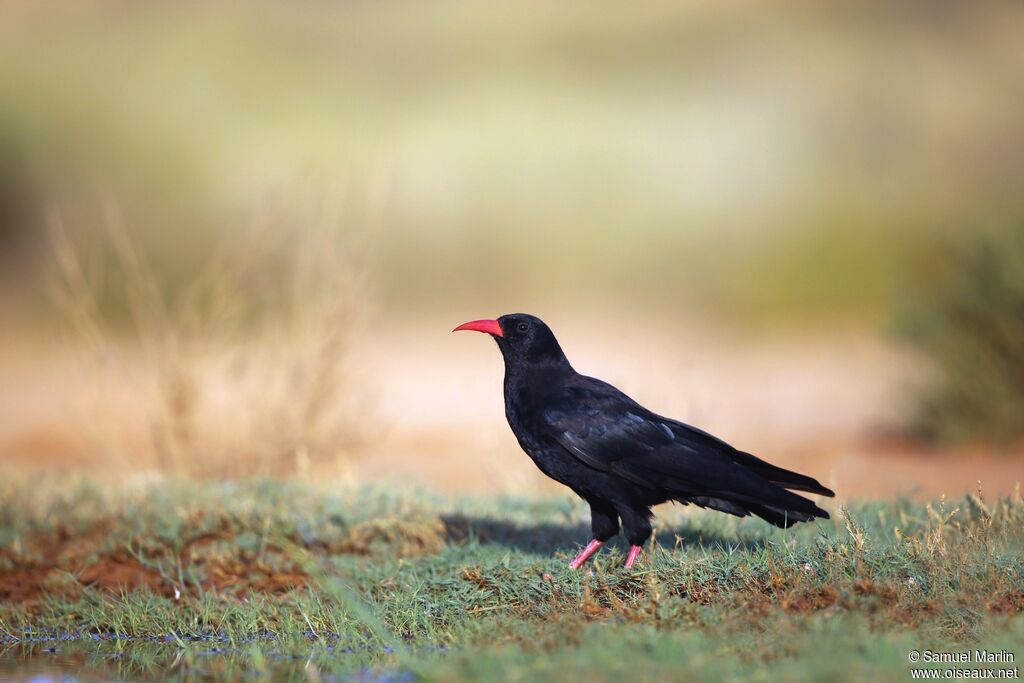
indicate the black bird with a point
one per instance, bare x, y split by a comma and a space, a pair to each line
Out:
622, 458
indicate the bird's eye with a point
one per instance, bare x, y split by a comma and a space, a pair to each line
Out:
522, 327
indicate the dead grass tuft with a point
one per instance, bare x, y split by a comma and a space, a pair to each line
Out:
245, 370
244, 577
812, 599
396, 537
1007, 603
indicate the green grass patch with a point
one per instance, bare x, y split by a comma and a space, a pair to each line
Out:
290, 581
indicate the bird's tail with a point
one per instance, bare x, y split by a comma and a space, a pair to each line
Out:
787, 479
735, 487
781, 516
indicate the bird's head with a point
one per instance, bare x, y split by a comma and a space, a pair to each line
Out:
522, 338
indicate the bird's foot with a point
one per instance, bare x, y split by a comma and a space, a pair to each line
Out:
631, 557
585, 554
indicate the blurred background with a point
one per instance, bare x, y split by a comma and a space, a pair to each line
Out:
234, 236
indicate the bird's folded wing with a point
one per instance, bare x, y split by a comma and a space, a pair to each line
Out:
622, 438
601, 432
699, 440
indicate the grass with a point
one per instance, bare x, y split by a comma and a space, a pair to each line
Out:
288, 581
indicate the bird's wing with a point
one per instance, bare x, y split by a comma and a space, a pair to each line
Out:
700, 440
610, 432
600, 430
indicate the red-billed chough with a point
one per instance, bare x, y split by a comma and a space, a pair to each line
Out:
622, 458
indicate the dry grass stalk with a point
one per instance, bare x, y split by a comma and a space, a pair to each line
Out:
248, 370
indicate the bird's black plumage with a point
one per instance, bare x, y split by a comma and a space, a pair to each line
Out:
621, 457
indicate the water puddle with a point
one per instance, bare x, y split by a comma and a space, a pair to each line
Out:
77, 658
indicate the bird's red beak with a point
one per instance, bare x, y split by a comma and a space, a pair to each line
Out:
488, 326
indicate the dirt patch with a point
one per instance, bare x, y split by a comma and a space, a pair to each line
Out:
592, 610
1008, 603
62, 561
912, 613
869, 588
244, 577
811, 600
118, 573
395, 537
22, 584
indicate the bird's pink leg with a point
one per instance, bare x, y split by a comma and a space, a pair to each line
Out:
631, 557
585, 554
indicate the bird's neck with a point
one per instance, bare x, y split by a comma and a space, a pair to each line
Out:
523, 379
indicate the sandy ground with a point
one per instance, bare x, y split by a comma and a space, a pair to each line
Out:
820, 401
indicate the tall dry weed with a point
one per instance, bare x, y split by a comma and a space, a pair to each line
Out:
247, 370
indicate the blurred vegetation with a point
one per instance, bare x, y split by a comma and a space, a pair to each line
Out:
746, 163
751, 161
243, 372
969, 320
